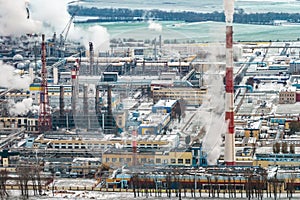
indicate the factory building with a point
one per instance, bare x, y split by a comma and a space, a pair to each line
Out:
191, 96
30, 124
53, 92
266, 160
253, 130
154, 123
179, 157
288, 95
109, 141
84, 166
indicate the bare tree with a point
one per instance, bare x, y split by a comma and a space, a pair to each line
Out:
3, 179
23, 172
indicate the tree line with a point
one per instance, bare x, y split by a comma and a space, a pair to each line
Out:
126, 14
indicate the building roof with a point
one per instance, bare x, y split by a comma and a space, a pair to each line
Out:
165, 103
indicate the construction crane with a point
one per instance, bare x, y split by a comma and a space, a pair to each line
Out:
65, 32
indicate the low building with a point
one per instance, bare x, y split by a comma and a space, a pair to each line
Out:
253, 129
85, 166
72, 141
276, 159
180, 157
30, 124
287, 95
154, 124
191, 96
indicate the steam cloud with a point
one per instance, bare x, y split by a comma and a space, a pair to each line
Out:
154, 26
52, 14
21, 108
229, 10
14, 18
212, 112
47, 17
10, 79
96, 34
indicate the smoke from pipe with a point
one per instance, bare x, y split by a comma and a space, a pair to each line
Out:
56, 21
229, 10
47, 17
96, 34
22, 108
10, 79
211, 114
52, 14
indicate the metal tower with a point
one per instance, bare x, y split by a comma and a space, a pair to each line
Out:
45, 122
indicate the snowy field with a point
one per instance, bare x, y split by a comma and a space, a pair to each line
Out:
111, 196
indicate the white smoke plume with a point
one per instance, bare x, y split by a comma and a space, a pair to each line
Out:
154, 26
10, 79
21, 108
52, 14
14, 19
229, 10
57, 19
212, 112
47, 17
96, 34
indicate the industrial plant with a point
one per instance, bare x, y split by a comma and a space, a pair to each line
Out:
215, 120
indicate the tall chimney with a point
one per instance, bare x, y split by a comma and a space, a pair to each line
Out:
74, 76
229, 157
91, 71
85, 105
61, 101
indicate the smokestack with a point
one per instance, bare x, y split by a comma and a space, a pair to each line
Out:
61, 101
229, 157
85, 104
97, 100
74, 74
91, 58
55, 75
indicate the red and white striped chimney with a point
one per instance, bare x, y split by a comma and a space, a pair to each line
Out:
229, 157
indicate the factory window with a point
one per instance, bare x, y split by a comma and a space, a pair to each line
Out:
180, 161
187, 161
128, 159
143, 160
114, 159
107, 159
121, 160
166, 161
173, 161
195, 153
158, 160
